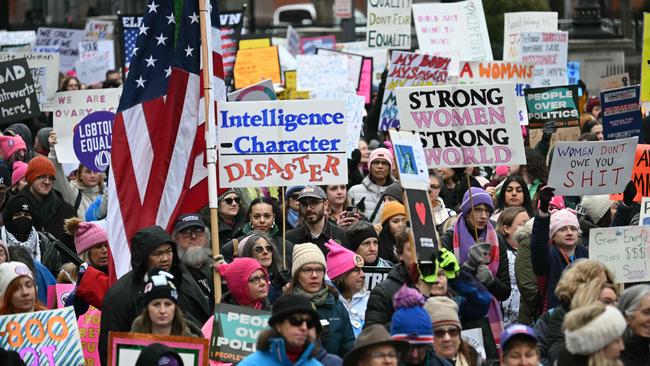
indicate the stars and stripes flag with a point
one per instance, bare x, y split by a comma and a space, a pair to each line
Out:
157, 158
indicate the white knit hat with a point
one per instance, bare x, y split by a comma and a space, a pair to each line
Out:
9, 271
306, 253
596, 206
597, 334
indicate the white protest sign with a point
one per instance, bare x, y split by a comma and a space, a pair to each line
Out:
45, 72
282, 143
92, 49
548, 52
409, 157
60, 40
314, 71
71, 107
93, 70
354, 64
99, 29
293, 41
353, 114
464, 125
475, 338
623, 250
614, 81
644, 214
379, 57
455, 30
525, 21
17, 38
592, 167
389, 24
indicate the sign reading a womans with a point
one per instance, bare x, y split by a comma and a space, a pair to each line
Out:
468, 125
281, 143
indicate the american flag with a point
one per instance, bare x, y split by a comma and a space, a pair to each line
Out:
130, 29
158, 148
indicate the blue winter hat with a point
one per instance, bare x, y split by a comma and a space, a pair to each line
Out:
410, 321
479, 197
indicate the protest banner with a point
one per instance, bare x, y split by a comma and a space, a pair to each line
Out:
353, 115
365, 80
93, 70
290, 90
379, 57
129, 30
389, 24
409, 157
558, 104
16, 39
423, 228
645, 60
58, 294
63, 41
464, 125
355, 64
519, 73
314, 71
256, 92
591, 167
256, 64
454, 30
97, 29
614, 81
44, 337
621, 112
235, 331
44, 68
125, 348
18, 99
374, 276
640, 174
308, 45
409, 69
89, 335
250, 43
623, 250
230, 26
90, 137
526, 21
644, 213
281, 143
573, 72
475, 338
548, 52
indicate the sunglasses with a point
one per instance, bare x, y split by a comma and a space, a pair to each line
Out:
230, 200
297, 321
294, 196
440, 333
434, 186
266, 248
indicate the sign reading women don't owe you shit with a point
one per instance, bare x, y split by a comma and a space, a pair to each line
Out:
470, 125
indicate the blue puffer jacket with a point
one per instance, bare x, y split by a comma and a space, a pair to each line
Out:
338, 337
276, 355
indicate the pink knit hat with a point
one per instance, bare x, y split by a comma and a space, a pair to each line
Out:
502, 170
561, 219
340, 260
88, 235
11, 144
381, 153
557, 203
19, 170
237, 274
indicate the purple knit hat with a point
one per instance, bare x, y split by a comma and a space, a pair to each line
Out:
479, 196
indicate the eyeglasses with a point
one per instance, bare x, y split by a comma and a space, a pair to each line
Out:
434, 186
308, 270
197, 231
379, 355
305, 204
230, 200
266, 248
440, 333
256, 280
46, 177
294, 196
297, 321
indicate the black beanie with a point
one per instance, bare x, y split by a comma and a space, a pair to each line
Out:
394, 191
354, 236
158, 285
16, 204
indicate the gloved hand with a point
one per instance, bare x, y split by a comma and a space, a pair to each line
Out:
629, 193
82, 270
545, 196
356, 158
549, 128
484, 276
218, 259
281, 278
477, 254
449, 263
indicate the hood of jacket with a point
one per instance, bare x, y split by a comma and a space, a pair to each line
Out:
586, 224
524, 231
144, 242
92, 191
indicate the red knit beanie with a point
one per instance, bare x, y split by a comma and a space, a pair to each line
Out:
237, 273
39, 166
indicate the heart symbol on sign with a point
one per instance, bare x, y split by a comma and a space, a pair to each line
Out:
420, 210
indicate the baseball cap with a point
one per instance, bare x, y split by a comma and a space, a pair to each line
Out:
312, 192
188, 220
517, 330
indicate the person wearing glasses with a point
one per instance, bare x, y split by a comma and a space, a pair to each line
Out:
293, 207
380, 164
287, 342
440, 212
375, 347
259, 246
308, 279
232, 217
248, 283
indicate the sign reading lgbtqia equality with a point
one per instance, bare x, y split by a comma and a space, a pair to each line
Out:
464, 125
389, 24
281, 143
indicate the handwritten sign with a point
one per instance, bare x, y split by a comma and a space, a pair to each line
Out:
614, 81
314, 71
235, 332
353, 114
519, 22
93, 70
640, 173
308, 45
256, 64
45, 73
624, 250
290, 87
355, 63
245, 44
17, 39
558, 104
293, 41
63, 41
645, 60
379, 57
230, 26
125, 348
389, 24
374, 276
409, 69
644, 213
44, 337
97, 29
621, 112
548, 52
464, 125
281, 143
17, 92
89, 334
409, 156
591, 167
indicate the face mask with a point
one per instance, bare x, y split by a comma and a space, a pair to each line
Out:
20, 226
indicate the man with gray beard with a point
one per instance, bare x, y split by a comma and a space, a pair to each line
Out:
193, 239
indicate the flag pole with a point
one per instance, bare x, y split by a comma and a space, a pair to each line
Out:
210, 142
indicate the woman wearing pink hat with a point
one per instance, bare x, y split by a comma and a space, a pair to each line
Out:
373, 185
18, 180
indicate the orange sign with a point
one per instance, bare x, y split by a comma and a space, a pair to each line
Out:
256, 64
640, 174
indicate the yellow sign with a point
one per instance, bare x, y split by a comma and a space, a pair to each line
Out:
645, 60
256, 64
290, 83
246, 44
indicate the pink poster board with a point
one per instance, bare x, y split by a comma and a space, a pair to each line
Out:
365, 80
125, 348
89, 335
57, 294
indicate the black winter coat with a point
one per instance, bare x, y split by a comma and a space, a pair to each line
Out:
380, 303
637, 349
49, 214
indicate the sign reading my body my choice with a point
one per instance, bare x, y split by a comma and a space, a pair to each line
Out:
281, 143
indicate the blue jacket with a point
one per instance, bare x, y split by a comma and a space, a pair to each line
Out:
339, 338
43, 279
277, 355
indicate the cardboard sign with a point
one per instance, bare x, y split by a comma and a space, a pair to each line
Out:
644, 214
645, 60
409, 69
624, 250
519, 73
464, 125
256, 64
246, 44
44, 337
519, 22
640, 174
290, 87
89, 334
125, 348
548, 52
63, 41
423, 228
18, 99
374, 276
315, 71
614, 81
235, 332
282, 143
389, 24
591, 167
73, 106
97, 29
256, 92
308, 45
558, 104
129, 30
409, 157
230, 26
58, 294
621, 112
454, 30
45, 73
573, 72
355, 63
353, 115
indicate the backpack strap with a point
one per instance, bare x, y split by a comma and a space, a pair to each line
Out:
77, 202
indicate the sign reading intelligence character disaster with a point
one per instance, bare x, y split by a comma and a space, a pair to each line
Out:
281, 143
469, 125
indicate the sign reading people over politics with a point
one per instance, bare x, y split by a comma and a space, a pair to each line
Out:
18, 99
621, 112
558, 104
591, 167
464, 125
282, 143
389, 24
235, 332
43, 337
624, 250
